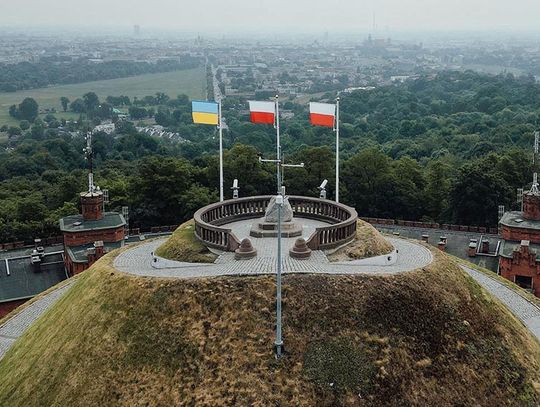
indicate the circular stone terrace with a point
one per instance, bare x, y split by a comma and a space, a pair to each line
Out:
325, 225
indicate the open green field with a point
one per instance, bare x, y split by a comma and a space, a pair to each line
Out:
191, 82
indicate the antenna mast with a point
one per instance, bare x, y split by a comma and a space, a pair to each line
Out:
88, 154
534, 188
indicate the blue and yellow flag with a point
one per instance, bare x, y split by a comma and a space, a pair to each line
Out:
205, 112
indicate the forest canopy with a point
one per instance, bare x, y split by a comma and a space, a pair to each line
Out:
447, 148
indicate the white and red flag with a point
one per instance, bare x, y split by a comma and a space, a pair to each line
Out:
322, 114
262, 112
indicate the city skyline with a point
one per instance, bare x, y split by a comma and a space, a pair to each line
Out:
275, 16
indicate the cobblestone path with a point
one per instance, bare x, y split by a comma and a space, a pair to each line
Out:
139, 261
525, 310
15, 326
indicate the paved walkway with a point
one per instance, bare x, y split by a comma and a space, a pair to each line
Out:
15, 326
522, 308
139, 261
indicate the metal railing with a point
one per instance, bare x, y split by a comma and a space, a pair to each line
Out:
340, 230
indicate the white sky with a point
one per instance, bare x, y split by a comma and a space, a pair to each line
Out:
277, 15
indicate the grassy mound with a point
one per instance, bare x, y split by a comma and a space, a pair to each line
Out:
368, 243
184, 246
429, 337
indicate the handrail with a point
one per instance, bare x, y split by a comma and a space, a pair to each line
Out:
209, 220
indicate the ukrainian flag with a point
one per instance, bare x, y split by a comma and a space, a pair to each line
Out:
205, 112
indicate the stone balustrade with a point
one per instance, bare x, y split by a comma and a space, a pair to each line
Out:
210, 220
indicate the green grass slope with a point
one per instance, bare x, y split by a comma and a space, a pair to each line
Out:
368, 243
425, 338
184, 246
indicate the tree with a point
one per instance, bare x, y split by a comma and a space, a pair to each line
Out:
137, 113
161, 98
28, 110
242, 162
163, 117
369, 184
24, 124
438, 182
409, 188
64, 101
319, 165
478, 191
125, 127
91, 101
14, 112
159, 190
13, 131
78, 106
104, 111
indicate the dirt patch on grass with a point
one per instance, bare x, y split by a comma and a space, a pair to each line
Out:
184, 246
428, 337
368, 243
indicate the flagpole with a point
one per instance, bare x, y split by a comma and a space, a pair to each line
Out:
337, 150
278, 146
278, 345
220, 153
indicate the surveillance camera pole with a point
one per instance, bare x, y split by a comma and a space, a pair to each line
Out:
322, 189
235, 188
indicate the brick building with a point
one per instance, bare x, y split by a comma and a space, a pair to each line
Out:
90, 234
519, 259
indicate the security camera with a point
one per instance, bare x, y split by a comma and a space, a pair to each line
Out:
323, 185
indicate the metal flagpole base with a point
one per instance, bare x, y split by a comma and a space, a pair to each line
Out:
279, 350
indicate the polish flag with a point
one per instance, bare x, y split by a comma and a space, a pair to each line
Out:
262, 112
322, 114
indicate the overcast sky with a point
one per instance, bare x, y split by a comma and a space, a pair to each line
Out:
278, 15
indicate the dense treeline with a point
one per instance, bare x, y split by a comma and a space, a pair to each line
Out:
466, 114
55, 70
448, 148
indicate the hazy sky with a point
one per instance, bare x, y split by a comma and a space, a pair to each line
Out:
278, 15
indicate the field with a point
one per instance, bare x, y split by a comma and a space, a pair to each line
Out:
191, 82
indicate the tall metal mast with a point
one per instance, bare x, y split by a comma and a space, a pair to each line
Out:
278, 147
534, 188
89, 154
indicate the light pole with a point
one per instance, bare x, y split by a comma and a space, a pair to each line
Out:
278, 344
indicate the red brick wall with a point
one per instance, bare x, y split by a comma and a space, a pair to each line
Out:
7, 307
522, 264
517, 234
84, 237
531, 207
76, 268
92, 207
